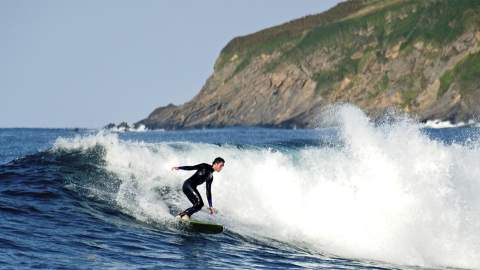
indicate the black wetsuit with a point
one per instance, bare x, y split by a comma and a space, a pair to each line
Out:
203, 174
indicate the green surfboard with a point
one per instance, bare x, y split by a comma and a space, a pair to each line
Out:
202, 226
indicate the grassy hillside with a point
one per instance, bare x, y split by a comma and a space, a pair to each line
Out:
466, 74
386, 22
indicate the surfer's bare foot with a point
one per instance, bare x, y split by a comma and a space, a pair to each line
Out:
185, 217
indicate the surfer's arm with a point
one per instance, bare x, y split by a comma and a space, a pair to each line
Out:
189, 168
209, 192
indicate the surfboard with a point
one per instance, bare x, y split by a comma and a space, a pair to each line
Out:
202, 226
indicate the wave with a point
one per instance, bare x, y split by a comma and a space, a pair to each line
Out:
387, 193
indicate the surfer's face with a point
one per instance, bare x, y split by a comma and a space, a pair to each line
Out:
218, 166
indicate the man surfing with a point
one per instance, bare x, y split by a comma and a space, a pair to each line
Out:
204, 173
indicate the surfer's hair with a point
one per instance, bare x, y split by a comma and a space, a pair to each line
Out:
218, 160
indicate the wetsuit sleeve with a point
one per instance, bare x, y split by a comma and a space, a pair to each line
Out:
190, 168
209, 191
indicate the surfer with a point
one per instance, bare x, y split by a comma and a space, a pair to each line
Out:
203, 174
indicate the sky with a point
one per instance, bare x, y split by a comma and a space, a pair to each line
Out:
66, 63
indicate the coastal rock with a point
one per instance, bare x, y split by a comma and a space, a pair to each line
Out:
418, 57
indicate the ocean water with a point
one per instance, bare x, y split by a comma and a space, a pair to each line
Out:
357, 196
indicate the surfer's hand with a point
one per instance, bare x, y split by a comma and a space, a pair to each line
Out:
212, 210
174, 168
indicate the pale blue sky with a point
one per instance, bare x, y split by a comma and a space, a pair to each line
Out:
67, 63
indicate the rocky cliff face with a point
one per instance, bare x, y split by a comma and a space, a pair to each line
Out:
420, 57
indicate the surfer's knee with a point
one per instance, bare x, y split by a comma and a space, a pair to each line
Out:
199, 205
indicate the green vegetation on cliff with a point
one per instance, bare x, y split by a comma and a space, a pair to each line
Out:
353, 25
270, 39
466, 73
445, 82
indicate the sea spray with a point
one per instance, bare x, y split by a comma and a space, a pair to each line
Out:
387, 192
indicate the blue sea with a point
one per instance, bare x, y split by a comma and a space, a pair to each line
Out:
357, 195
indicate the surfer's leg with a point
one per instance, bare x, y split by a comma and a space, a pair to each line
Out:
196, 206
189, 192
194, 197
199, 203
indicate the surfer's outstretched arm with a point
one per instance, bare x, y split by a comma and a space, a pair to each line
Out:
188, 168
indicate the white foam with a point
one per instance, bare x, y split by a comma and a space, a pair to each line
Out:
447, 124
140, 128
390, 194
131, 128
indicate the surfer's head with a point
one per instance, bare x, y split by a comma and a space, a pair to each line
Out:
218, 164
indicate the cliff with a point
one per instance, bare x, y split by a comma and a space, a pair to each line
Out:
419, 57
